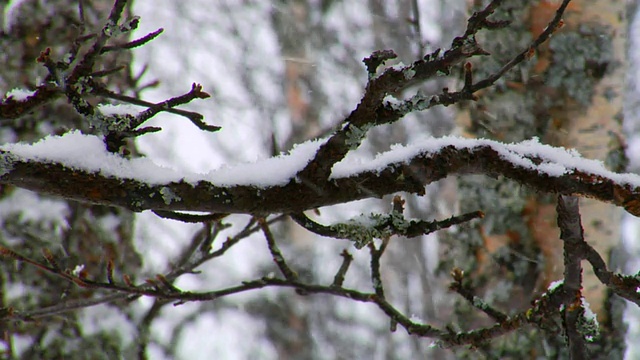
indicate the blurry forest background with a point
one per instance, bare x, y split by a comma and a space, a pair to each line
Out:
282, 72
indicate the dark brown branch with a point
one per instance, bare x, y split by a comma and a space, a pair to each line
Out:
13, 109
525, 54
572, 234
99, 89
294, 197
390, 224
624, 286
135, 43
338, 279
195, 93
544, 308
376, 276
276, 254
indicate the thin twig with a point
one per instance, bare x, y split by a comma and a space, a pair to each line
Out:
338, 279
276, 255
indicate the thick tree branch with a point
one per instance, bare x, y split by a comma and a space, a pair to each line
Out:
410, 175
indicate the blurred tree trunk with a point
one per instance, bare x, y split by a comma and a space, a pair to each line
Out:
570, 94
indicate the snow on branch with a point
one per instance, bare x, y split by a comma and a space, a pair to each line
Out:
77, 166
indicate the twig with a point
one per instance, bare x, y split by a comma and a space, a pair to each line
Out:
103, 91
135, 43
525, 54
86, 64
624, 286
338, 279
195, 93
458, 285
376, 277
386, 224
276, 255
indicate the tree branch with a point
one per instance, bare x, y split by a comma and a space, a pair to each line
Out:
409, 172
572, 234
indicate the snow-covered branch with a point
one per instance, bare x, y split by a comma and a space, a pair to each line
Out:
78, 167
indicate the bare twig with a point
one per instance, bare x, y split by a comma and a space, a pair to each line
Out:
103, 91
196, 92
338, 279
135, 43
276, 255
458, 285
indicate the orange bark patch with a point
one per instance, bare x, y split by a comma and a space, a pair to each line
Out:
544, 11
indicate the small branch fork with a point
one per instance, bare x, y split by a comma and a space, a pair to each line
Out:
76, 78
572, 234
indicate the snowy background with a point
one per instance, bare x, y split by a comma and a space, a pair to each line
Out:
214, 43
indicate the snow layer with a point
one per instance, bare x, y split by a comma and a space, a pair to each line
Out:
88, 152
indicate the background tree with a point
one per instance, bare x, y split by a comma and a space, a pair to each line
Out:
313, 319
569, 95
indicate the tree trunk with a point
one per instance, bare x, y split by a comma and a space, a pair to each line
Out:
569, 94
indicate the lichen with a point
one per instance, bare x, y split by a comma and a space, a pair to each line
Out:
408, 73
6, 163
355, 135
580, 59
168, 195
365, 228
360, 234
111, 123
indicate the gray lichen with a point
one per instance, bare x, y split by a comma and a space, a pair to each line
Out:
111, 123
355, 135
365, 228
6, 162
168, 195
359, 233
580, 59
